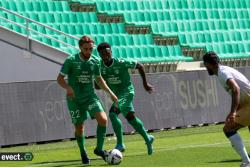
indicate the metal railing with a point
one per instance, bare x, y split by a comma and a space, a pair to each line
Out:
28, 21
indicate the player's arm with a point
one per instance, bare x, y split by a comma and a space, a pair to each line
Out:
61, 81
102, 84
149, 88
234, 87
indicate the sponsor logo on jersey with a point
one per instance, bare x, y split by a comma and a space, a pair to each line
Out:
117, 71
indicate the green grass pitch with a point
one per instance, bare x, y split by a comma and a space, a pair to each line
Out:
192, 147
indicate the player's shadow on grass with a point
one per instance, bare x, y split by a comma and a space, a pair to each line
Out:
68, 163
227, 161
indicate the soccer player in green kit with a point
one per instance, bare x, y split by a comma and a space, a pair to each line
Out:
115, 72
82, 101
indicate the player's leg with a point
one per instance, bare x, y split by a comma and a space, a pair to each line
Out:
243, 117
230, 129
78, 117
101, 129
96, 111
137, 124
80, 138
117, 127
102, 121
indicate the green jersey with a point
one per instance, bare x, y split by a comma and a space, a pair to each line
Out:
117, 75
81, 74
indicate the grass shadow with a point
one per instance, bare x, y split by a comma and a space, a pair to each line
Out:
67, 163
226, 161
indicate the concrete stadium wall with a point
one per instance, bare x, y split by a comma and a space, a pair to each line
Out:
36, 111
18, 64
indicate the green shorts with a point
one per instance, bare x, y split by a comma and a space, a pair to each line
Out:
80, 112
125, 103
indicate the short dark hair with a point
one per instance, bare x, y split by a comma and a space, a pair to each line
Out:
211, 57
85, 39
102, 46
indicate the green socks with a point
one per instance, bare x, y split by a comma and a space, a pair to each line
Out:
100, 133
81, 143
139, 127
117, 126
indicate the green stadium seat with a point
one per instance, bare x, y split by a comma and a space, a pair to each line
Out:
146, 5
55, 44
79, 30
136, 40
12, 5
122, 52
159, 16
128, 39
93, 17
58, 6
62, 38
64, 28
72, 41
72, 29
50, 18
28, 6
20, 6
41, 29
86, 29
211, 25
121, 39
44, 6
72, 18
191, 14
136, 53
113, 5
201, 38
184, 4
51, 6
237, 36
182, 38
65, 17
42, 17
247, 47
130, 5
106, 5
172, 15
57, 17
11, 17
115, 52
139, 5
36, 6
4, 4
100, 39
16, 28
46, 40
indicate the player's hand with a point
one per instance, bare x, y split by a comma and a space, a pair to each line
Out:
115, 100
231, 117
70, 92
149, 88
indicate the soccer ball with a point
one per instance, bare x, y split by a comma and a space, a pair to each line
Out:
114, 157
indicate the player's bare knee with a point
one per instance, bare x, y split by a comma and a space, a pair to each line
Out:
229, 130
130, 116
79, 130
103, 121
